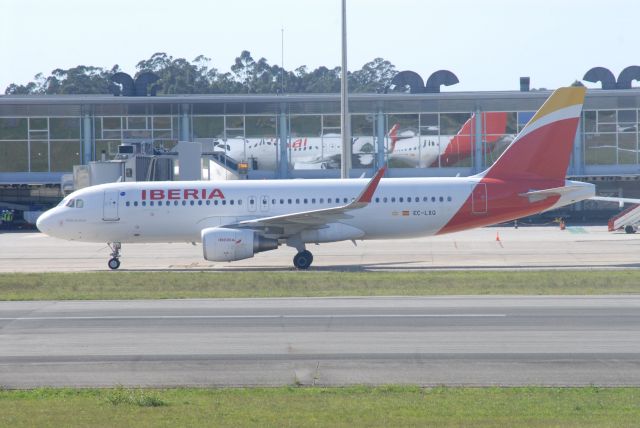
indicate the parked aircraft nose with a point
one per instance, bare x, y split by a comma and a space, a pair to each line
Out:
45, 222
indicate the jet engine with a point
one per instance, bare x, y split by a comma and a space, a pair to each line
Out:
221, 244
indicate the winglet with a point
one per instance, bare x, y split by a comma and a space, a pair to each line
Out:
367, 193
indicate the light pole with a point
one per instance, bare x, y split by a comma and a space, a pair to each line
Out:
345, 125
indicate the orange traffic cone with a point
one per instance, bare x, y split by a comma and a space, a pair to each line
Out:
497, 236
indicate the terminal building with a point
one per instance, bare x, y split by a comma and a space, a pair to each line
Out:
288, 136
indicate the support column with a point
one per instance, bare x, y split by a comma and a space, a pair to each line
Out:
577, 158
380, 150
87, 139
185, 124
478, 158
283, 136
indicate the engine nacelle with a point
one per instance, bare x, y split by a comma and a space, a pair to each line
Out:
221, 244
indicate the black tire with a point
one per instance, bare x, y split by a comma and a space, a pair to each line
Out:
629, 229
113, 263
303, 259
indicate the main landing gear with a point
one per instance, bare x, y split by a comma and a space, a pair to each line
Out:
303, 259
114, 261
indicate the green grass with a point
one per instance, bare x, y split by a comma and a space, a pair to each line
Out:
165, 285
335, 407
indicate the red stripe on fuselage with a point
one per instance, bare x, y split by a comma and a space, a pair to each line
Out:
539, 161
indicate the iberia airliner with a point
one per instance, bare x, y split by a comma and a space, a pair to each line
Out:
236, 219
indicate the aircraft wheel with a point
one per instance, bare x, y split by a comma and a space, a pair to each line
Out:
303, 259
114, 263
629, 229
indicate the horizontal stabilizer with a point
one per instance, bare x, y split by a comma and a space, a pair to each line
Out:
538, 195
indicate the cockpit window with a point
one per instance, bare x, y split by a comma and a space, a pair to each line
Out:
73, 203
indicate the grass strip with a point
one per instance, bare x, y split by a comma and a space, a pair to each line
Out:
165, 285
385, 406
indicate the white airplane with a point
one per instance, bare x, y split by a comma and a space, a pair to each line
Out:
236, 219
424, 151
304, 152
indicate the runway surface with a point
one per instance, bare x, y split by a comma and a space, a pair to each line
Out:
339, 341
526, 247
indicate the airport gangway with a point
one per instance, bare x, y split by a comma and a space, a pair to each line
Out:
626, 219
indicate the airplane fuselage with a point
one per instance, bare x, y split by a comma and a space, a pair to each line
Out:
400, 208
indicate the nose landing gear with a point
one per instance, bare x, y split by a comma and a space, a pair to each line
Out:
114, 261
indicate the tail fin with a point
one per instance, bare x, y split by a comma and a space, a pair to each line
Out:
393, 136
461, 145
543, 148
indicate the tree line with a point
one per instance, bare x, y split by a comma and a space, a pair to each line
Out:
179, 76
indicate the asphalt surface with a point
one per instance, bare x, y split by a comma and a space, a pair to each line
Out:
335, 341
526, 247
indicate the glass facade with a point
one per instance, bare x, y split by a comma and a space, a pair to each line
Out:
39, 144
450, 133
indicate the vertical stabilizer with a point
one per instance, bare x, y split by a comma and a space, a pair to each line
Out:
542, 149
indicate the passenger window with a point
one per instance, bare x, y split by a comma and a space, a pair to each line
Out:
425, 199
441, 199
313, 200
175, 203
281, 201
184, 203
297, 201
224, 202
151, 203
191, 203
79, 203
215, 202
400, 199
322, 200
144, 204
208, 202
409, 199
239, 201
135, 203
231, 202
289, 201
305, 200
127, 203
433, 199
448, 198
344, 200
393, 199
328, 200
377, 200
384, 199
200, 202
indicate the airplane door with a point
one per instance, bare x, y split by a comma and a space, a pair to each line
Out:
110, 206
264, 203
479, 199
253, 201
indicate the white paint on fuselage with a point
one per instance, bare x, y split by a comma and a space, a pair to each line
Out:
183, 223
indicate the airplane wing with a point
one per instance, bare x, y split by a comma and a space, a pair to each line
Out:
289, 224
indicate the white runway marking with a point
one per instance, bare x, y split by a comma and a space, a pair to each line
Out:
222, 317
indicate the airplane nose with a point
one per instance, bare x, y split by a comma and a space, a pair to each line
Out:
43, 223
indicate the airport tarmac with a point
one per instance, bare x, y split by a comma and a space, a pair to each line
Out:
525, 247
448, 340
